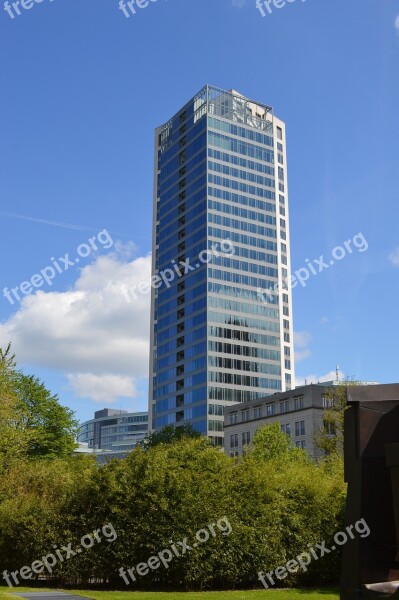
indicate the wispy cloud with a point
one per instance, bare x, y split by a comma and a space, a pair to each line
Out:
397, 24
239, 3
302, 340
46, 221
394, 256
64, 225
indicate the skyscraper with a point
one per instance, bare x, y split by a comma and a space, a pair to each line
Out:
220, 239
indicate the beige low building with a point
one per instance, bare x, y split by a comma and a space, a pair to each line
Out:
299, 412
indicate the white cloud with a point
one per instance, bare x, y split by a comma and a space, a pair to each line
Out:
394, 256
330, 376
302, 340
102, 388
397, 23
239, 3
124, 250
89, 332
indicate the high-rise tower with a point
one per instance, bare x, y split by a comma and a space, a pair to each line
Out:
220, 239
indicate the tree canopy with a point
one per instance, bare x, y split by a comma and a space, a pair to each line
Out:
270, 443
33, 424
170, 434
275, 499
330, 438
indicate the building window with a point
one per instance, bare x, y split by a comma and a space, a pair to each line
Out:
216, 440
215, 426
328, 402
299, 403
233, 418
300, 428
284, 406
246, 438
216, 409
270, 410
257, 412
286, 428
244, 415
329, 428
234, 440
279, 133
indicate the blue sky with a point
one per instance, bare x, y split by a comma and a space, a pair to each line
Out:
83, 88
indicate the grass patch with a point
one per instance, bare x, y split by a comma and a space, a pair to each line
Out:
5, 591
242, 595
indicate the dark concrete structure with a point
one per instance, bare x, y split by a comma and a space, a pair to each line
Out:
371, 565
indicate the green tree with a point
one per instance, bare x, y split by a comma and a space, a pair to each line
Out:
275, 508
34, 501
330, 438
270, 443
53, 426
14, 440
169, 435
32, 422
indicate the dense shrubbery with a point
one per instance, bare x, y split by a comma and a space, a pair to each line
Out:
276, 500
276, 508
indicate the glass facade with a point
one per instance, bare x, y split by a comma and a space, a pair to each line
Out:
116, 431
219, 241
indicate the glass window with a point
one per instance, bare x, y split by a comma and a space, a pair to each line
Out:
246, 438
270, 409
257, 412
234, 440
